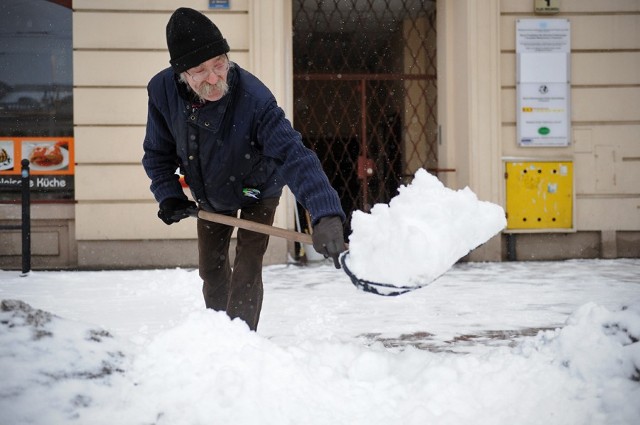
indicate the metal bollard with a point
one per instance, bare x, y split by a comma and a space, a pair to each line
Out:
26, 219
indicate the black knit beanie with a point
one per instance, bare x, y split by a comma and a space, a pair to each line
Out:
192, 39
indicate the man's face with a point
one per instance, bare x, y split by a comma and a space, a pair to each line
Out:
209, 79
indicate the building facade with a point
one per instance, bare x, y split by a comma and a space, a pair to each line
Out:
443, 91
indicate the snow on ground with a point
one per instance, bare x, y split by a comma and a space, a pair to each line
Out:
487, 343
494, 343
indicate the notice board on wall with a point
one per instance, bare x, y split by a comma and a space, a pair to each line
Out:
543, 82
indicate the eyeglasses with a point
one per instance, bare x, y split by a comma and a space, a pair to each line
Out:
200, 74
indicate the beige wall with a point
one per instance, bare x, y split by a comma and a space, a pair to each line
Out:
119, 45
469, 101
476, 46
605, 107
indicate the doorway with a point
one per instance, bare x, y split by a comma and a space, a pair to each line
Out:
365, 93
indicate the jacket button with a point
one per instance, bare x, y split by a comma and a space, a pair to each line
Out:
206, 123
192, 117
191, 157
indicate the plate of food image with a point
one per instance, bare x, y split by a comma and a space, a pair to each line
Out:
6, 157
48, 157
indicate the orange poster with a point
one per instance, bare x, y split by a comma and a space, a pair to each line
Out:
46, 155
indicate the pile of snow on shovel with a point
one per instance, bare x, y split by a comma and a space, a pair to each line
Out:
421, 233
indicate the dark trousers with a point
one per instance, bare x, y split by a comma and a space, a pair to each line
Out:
236, 291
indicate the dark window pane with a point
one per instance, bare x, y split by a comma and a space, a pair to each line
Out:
36, 91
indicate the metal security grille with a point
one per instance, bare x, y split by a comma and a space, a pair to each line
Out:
365, 92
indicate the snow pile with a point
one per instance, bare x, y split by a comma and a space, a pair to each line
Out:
596, 344
421, 233
600, 350
50, 368
211, 370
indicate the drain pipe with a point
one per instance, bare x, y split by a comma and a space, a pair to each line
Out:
511, 247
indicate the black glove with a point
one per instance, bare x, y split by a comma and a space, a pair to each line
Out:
328, 238
172, 210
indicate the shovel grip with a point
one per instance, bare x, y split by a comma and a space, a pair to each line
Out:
255, 227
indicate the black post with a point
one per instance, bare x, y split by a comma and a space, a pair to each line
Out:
26, 219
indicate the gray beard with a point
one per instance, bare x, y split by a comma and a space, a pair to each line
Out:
206, 89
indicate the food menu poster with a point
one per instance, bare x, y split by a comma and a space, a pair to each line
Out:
51, 162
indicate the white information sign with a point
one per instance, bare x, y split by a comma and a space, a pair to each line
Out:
543, 52
543, 117
543, 35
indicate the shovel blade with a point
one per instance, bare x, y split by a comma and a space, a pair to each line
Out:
384, 289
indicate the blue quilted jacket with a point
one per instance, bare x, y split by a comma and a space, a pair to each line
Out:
232, 151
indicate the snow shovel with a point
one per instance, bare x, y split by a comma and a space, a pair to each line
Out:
385, 289
265, 229
362, 284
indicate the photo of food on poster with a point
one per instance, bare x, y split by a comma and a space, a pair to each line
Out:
6, 155
46, 156
51, 164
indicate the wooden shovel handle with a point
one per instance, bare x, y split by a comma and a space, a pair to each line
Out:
255, 227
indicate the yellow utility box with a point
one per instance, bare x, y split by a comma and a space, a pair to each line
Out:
539, 195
